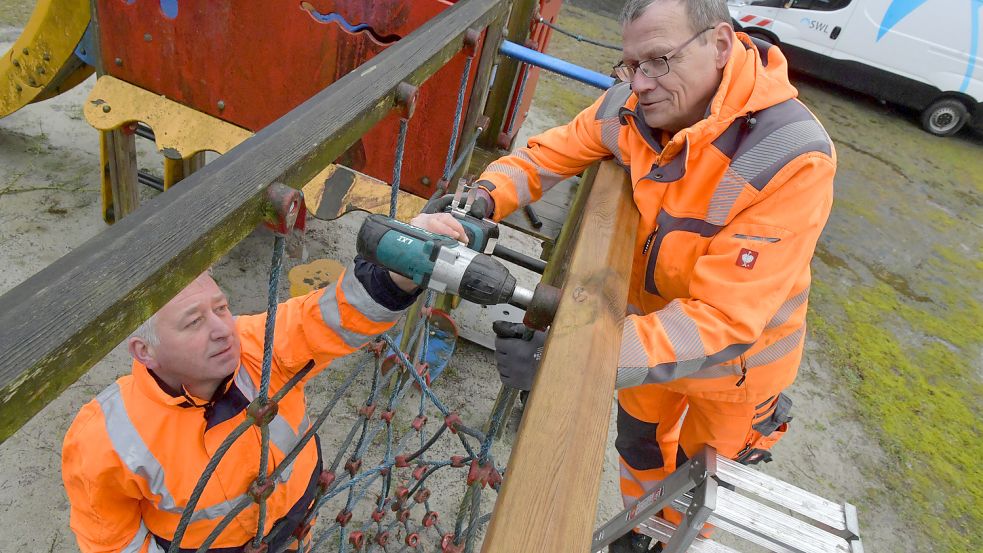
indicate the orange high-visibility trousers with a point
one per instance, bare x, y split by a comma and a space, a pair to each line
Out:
659, 429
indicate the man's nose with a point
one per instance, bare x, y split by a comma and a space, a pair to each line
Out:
640, 83
220, 328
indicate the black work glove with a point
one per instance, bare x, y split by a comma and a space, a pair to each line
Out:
481, 207
518, 350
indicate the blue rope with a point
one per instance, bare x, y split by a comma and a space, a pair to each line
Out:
398, 165
455, 130
273, 298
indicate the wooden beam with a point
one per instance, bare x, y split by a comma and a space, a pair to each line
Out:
549, 497
71, 314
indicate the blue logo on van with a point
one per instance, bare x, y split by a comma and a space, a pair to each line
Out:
899, 9
815, 25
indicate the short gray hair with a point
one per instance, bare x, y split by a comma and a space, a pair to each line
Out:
148, 331
702, 14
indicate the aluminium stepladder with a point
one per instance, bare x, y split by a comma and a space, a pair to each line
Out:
705, 488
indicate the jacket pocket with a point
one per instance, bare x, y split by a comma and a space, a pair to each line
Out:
766, 433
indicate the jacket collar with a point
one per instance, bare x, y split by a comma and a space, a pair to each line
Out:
155, 389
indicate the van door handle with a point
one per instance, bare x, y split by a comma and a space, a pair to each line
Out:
835, 33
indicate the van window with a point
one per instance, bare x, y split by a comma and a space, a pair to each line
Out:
818, 5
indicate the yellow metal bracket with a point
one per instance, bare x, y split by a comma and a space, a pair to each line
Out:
182, 132
42, 61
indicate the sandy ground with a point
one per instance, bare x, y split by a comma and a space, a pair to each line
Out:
49, 204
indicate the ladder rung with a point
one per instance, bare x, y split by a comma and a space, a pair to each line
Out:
662, 530
765, 526
792, 497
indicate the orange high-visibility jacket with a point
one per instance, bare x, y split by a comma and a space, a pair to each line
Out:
731, 209
134, 454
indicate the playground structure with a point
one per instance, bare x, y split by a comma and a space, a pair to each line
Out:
365, 119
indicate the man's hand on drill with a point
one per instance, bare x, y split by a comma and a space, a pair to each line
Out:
438, 223
481, 207
518, 350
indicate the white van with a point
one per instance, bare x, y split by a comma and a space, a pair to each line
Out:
923, 54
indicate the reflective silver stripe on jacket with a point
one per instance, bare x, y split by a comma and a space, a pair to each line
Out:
793, 138
135, 454
547, 178
684, 336
777, 350
607, 116
282, 434
724, 197
519, 178
357, 297
787, 308
137, 542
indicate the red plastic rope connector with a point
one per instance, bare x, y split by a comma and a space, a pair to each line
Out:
377, 515
421, 495
377, 348
429, 519
483, 474
452, 421
403, 515
401, 462
343, 517
447, 544
325, 480
260, 491
250, 548
419, 471
382, 538
418, 422
302, 531
357, 539
387, 416
402, 492
457, 461
413, 539
262, 412
353, 465
367, 410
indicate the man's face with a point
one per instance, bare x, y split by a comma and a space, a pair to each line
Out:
680, 98
198, 342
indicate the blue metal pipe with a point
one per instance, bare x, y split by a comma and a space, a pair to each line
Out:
556, 65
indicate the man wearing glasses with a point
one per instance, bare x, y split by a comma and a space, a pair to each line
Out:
733, 178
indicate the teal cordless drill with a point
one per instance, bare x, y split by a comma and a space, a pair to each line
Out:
445, 265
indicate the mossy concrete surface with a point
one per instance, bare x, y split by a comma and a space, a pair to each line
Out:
896, 306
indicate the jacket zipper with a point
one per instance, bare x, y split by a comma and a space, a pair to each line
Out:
648, 241
743, 372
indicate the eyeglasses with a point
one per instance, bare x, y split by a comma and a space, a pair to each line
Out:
652, 68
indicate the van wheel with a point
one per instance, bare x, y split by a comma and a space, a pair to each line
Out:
945, 117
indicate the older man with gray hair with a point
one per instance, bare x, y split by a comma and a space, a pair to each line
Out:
733, 178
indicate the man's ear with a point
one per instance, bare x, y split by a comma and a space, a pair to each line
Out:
723, 41
142, 352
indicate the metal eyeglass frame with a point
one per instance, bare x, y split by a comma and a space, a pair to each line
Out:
625, 72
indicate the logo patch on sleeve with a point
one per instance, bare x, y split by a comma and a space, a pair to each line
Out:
747, 258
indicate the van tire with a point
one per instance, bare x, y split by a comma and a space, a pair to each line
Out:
945, 117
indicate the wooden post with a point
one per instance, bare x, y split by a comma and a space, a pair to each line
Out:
506, 76
121, 160
60, 321
548, 500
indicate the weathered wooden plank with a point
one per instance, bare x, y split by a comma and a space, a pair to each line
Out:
65, 318
548, 499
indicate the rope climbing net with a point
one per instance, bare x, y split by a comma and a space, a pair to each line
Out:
393, 493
